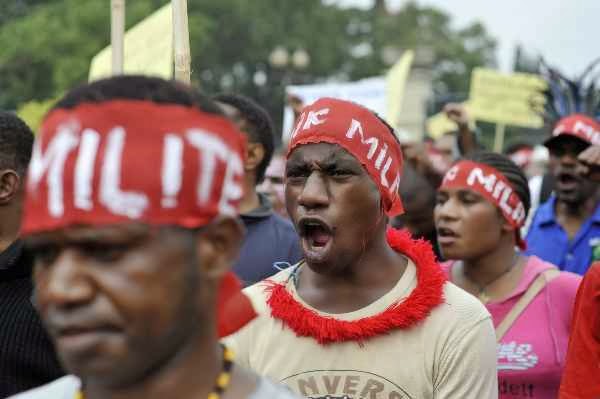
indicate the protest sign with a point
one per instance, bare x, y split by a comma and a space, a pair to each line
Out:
148, 49
506, 99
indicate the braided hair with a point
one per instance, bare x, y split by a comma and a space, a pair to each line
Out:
510, 170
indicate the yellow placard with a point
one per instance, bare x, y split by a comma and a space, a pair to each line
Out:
33, 112
148, 49
439, 124
395, 83
506, 98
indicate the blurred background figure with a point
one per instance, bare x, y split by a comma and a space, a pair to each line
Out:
273, 185
566, 229
521, 154
418, 197
270, 239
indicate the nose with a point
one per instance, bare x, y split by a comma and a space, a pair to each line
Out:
64, 283
315, 193
445, 211
568, 159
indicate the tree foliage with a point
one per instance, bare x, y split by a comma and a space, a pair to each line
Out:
46, 46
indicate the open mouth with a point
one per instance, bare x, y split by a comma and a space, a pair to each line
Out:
567, 181
446, 236
316, 236
315, 231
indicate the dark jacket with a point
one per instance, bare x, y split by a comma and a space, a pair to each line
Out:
27, 357
270, 239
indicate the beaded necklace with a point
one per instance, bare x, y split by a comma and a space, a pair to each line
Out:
221, 383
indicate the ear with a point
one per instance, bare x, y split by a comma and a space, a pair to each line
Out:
10, 182
218, 245
255, 153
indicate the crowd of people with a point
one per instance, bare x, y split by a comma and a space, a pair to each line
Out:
155, 244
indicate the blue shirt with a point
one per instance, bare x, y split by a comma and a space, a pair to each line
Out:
548, 240
271, 242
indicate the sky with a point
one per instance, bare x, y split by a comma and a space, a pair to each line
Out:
565, 32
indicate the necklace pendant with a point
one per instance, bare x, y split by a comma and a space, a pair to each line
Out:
483, 297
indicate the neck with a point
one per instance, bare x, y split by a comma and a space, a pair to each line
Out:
9, 228
378, 264
580, 211
250, 199
190, 373
486, 268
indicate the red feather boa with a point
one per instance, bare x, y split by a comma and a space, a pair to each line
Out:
402, 315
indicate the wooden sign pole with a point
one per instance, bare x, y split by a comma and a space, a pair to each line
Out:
117, 35
181, 38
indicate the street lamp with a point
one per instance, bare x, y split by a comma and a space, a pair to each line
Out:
280, 58
300, 59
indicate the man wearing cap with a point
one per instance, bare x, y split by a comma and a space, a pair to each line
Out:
368, 313
130, 210
566, 229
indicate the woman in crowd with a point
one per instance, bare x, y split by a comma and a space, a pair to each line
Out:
481, 205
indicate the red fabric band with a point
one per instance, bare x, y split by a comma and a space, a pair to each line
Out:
125, 161
363, 135
580, 126
493, 186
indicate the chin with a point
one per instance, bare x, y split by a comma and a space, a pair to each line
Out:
569, 198
452, 253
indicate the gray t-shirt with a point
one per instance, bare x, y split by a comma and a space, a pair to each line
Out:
67, 387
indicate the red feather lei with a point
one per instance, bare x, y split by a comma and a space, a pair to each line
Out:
401, 315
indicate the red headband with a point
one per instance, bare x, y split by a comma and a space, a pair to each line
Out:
580, 126
493, 186
363, 135
136, 161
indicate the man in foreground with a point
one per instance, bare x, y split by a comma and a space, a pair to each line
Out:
131, 201
367, 314
27, 358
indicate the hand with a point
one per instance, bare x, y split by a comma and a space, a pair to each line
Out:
589, 163
419, 157
457, 114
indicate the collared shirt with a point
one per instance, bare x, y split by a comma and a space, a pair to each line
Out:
549, 241
271, 242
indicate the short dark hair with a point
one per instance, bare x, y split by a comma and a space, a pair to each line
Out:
261, 128
513, 173
16, 143
135, 87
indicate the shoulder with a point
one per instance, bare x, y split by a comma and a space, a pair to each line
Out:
266, 389
258, 292
593, 273
63, 388
591, 280
460, 313
565, 284
462, 305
